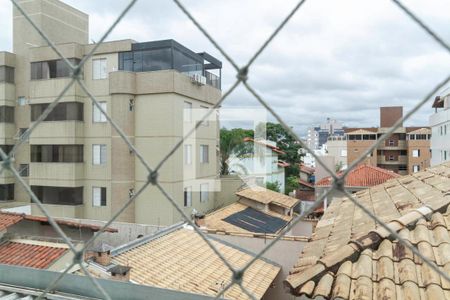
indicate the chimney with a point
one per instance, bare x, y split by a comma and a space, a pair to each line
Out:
199, 220
389, 115
102, 254
120, 273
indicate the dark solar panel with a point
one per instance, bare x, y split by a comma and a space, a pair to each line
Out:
255, 221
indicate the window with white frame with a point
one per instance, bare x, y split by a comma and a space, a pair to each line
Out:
98, 154
98, 196
204, 112
187, 112
344, 153
187, 154
97, 115
204, 192
416, 153
99, 69
187, 197
204, 154
416, 168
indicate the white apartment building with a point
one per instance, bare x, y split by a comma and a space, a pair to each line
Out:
262, 166
440, 129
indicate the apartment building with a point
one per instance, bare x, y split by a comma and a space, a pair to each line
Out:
317, 136
406, 151
440, 128
336, 147
75, 161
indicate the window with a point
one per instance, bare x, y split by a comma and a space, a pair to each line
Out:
6, 114
98, 154
187, 112
57, 153
403, 152
6, 149
204, 153
99, 69
445, 154
23, 170
416, 153
204, 192
403, 168
97, 115
416, 168
187, 197
59, 195
66, 111
6, 74
7, 191
391, 157
391, 143
188, 154
51, 69
204, 112
98, 196
22, 101
344, 153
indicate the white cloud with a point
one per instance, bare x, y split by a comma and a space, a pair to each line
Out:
340, 59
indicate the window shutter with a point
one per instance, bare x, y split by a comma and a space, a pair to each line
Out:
103, 196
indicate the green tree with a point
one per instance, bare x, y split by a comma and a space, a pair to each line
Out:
286, 142
273, 186
291, 184
232, 143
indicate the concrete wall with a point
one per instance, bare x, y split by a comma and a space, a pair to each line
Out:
290, 249
229, 186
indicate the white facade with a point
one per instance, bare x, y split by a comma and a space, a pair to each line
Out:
260, 168
440, 132
336, 146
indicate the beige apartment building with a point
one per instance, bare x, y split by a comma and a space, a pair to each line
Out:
74, 161
406, 151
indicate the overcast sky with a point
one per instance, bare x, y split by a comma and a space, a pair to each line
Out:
339, 59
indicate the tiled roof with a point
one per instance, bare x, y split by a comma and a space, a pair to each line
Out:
362, 176
182, 260
351, 257
7, 217
370, 130
273, 148
307, 169
418, 130
7, 220
215, 220
283, 164
305, 183
266, 196
31, 254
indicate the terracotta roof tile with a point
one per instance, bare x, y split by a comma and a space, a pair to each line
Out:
361, 257
307, 169
7, 220
182, 260
31, 255
362, 176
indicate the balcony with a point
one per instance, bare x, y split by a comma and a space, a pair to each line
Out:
401, 160
51, 88
59, 211
439, 117
385, 145
7, 132
58, 132
57, 174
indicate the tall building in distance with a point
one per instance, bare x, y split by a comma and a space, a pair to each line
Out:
317, 136
75, 161
406, 151
440, 128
